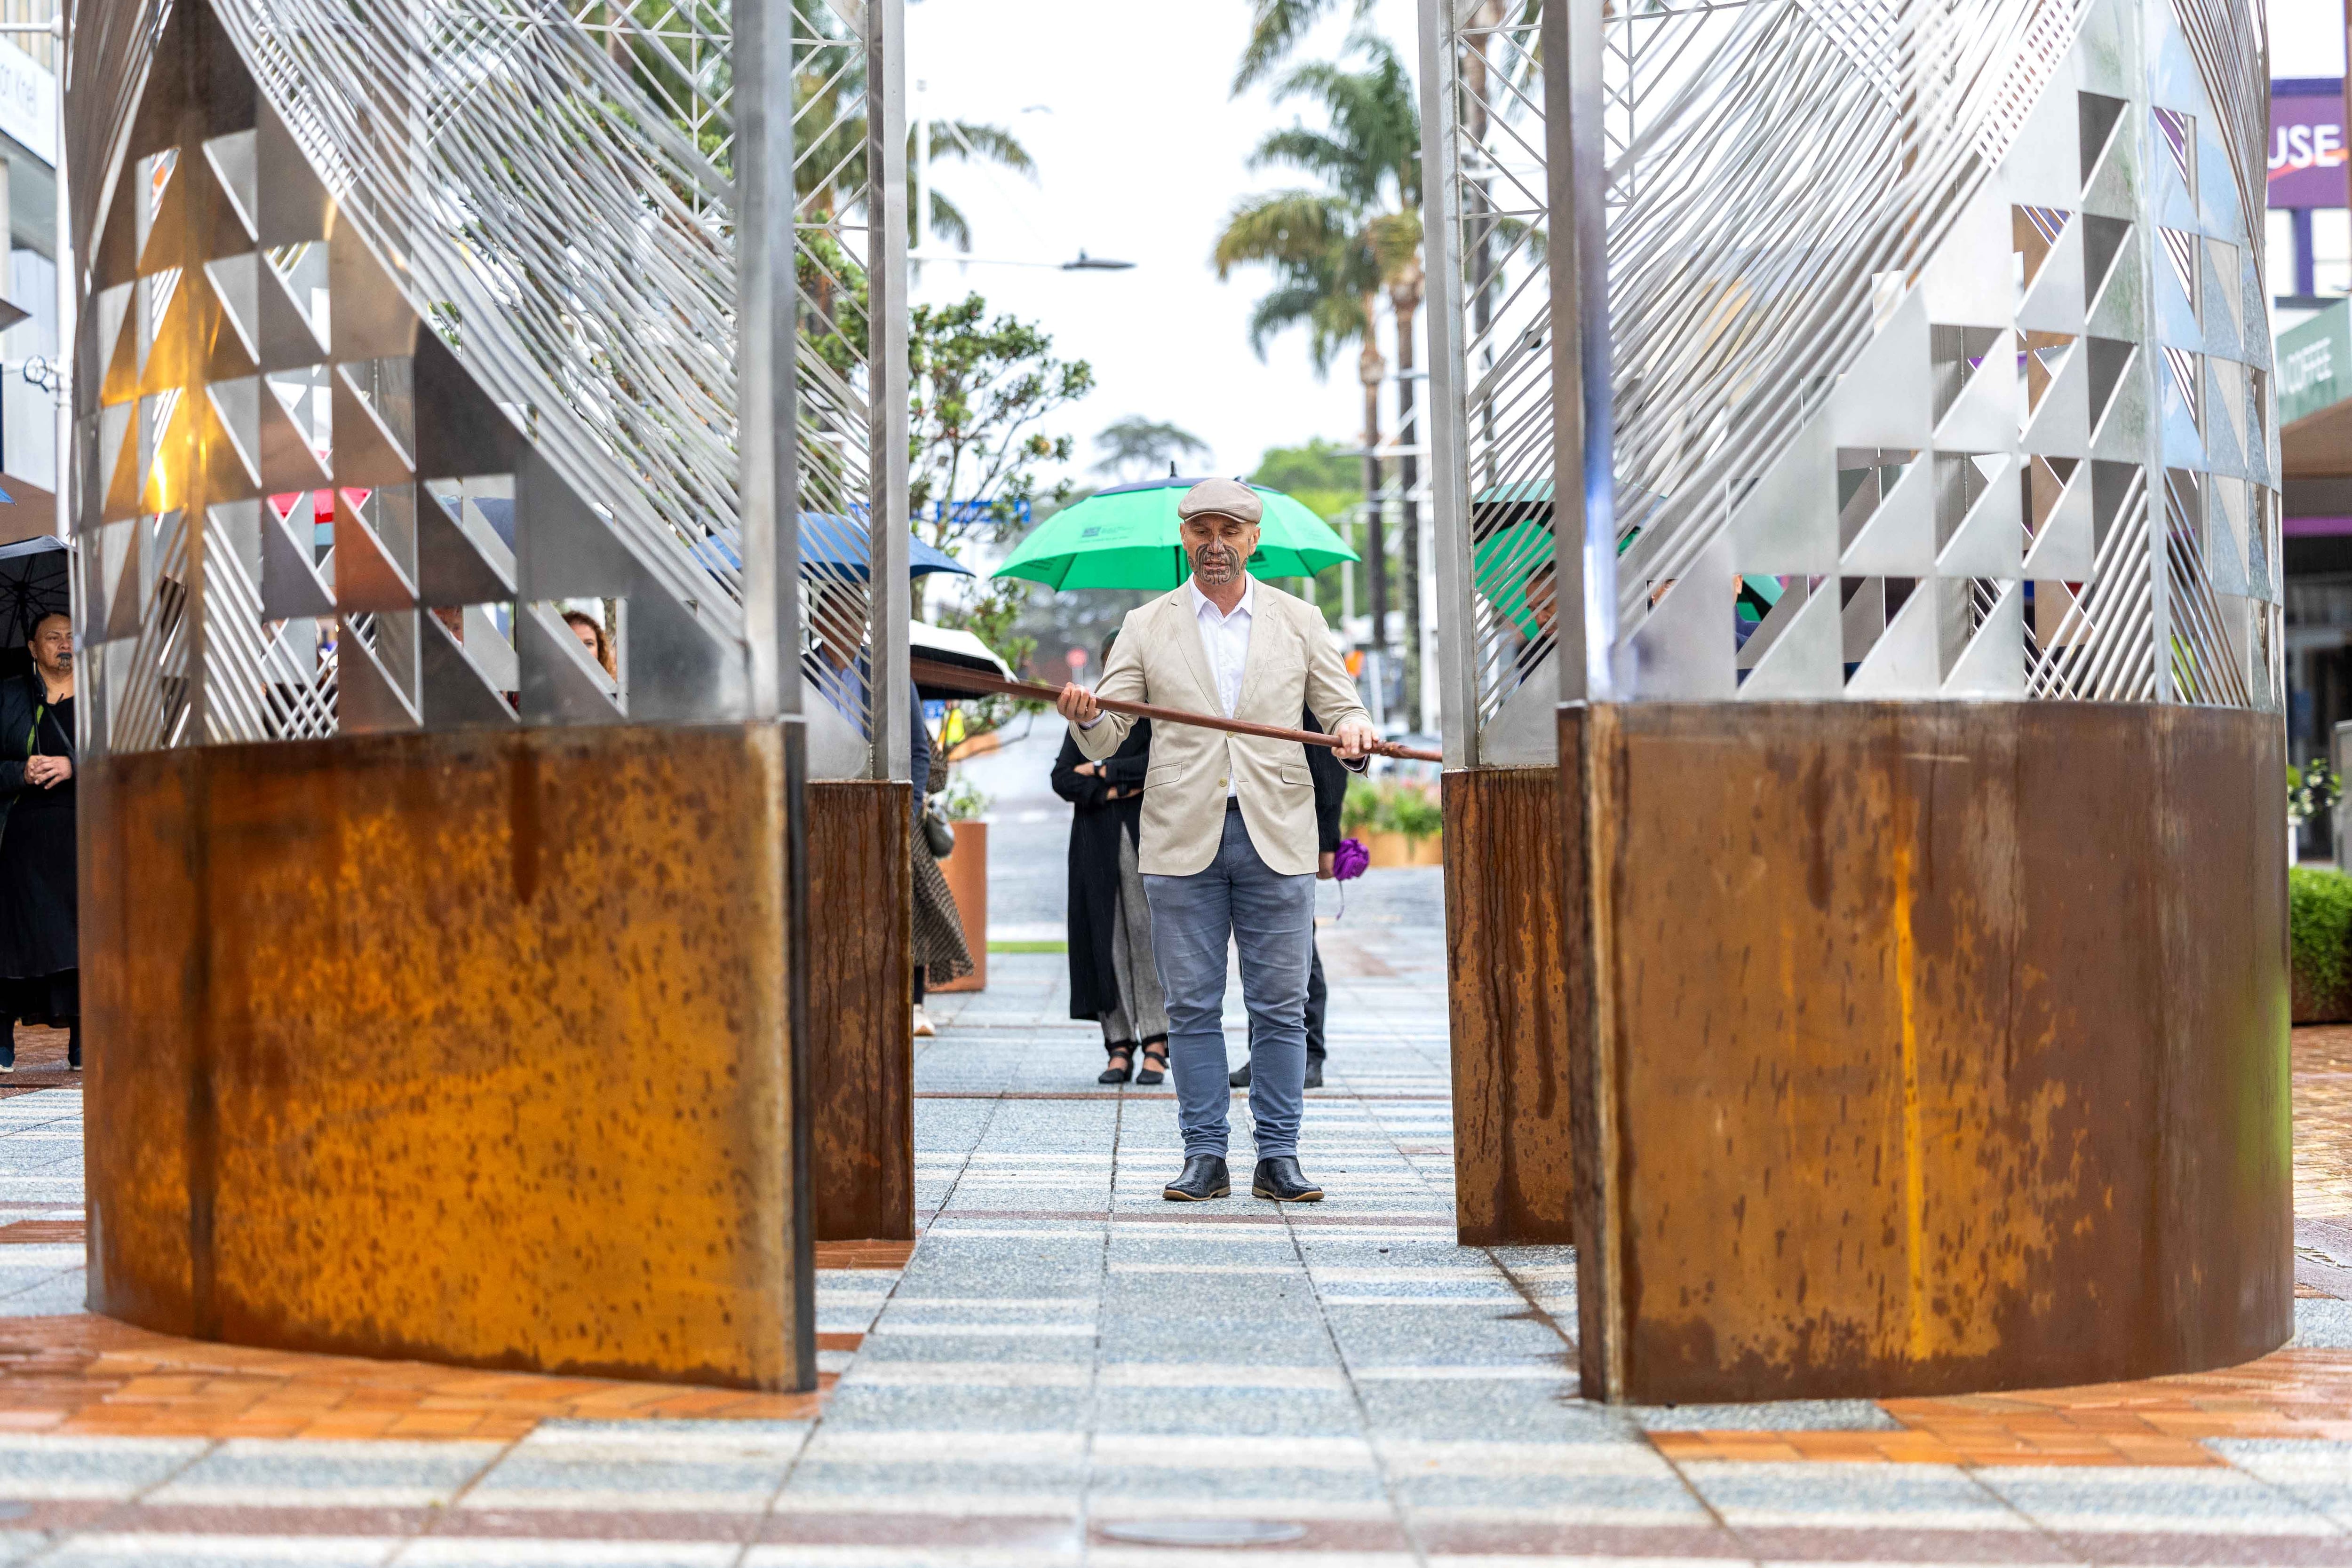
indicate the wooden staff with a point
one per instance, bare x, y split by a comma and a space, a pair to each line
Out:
930, 673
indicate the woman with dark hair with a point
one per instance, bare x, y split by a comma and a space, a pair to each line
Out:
592, 637
40, 964
1114, 980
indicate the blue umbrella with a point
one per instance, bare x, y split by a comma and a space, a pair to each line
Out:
827, 539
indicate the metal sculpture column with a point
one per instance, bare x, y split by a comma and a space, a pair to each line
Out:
437, 904
1495, 161
1930, 882
851, 244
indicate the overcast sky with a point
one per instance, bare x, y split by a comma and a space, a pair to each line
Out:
1140, 156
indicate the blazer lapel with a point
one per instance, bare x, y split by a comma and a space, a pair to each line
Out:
1196, 658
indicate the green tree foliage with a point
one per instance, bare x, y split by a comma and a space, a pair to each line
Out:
2319, 940
1136, 442
1322, 475
983, 390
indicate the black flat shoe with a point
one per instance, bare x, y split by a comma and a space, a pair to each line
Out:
1280, 1179
1315, 1073
1240, 1079
1204, 1178
1122, 1065
1155, 1067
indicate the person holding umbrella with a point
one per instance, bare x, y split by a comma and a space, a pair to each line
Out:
39, 960
1228, 844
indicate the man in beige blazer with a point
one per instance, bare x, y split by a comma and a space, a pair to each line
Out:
1228, 849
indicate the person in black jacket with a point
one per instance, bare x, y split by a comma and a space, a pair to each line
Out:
1330, 776
1113, 980
40, 968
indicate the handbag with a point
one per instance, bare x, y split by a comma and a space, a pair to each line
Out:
937, 832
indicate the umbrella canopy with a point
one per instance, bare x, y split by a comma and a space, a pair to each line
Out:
827, 539
952, 646
35, 581
1127, 537
833, 544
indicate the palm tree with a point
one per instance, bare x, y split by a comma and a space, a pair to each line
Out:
1326, 280
1366, 220
1276, 27
1150, 441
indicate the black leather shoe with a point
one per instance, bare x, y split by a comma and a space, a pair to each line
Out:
1240, 1079
1204, 1178
1122, 1064
1280, 1179
1315, 1073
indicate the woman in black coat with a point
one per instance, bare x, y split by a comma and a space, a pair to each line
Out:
40, 965
1112, 977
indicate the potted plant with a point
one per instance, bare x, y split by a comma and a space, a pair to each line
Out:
1416, 815
967, 873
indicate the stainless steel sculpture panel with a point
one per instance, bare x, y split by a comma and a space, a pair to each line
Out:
456, 290
1939, 337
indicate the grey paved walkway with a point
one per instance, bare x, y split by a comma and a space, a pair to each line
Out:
1067, 1359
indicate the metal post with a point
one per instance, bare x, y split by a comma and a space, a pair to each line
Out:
885, 376
1449, 472
2150, 362
1583, 485
63, 356
766, 397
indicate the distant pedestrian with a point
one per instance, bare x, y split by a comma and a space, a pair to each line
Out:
942, 954
41, 962
595, 639
1114, 979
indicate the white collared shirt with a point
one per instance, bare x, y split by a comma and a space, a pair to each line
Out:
1225, 639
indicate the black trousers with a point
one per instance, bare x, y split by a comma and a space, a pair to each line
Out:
1318, 994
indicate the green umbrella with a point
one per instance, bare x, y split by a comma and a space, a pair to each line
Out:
1127, 537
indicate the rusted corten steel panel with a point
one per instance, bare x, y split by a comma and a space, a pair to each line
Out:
861, 998
471, 1048
1934, 1047
1506, 994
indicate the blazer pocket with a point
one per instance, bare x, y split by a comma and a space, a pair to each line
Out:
1296, 773
1164, 773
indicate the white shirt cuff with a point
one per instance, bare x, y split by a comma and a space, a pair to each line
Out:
1089, 724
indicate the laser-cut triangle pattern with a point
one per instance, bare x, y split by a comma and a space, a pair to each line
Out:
1997, 541
252, 360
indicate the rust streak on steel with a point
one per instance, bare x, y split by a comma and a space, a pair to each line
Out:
861, 994
1915, 1066
469, 1048
956, 677
1507, 1006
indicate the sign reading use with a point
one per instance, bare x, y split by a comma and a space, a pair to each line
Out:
2306, 145
2315, 363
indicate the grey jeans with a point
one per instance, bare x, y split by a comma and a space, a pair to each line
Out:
1141, 1013
1195, 920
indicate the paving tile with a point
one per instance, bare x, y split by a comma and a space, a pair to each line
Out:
144, 1550
83, 1466
729, 1467
323, 1473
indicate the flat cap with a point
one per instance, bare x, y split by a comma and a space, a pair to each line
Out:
1224, 498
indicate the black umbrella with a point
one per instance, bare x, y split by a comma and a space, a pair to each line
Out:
34, 581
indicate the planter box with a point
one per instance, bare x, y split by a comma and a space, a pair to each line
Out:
1390, 850
967, 874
